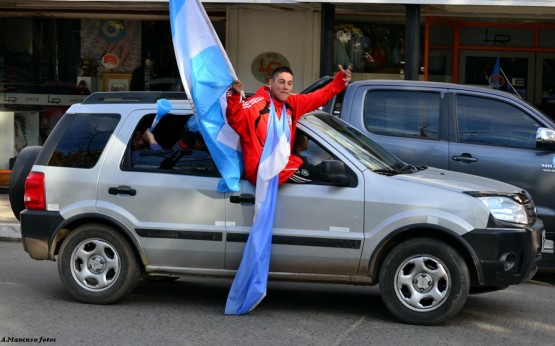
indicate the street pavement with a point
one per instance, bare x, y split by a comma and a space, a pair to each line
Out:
9, 225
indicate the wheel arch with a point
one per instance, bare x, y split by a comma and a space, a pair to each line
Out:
22, 167
74, 223
425, 230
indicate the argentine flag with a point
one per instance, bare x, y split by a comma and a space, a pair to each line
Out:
496, 67
249, 285
207, 73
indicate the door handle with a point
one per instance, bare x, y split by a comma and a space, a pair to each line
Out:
464, 158
122, 190
242, 198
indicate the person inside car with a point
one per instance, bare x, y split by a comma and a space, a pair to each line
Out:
143, 141
307, 172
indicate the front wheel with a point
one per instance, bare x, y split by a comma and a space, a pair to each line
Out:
97, 265
424, 281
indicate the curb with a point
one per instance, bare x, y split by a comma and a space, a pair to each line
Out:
10, 231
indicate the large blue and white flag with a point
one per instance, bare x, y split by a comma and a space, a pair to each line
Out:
207, 73
249, 285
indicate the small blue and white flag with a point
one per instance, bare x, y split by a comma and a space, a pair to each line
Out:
249, 286
207, 73
163, 107
496, 67
496, 80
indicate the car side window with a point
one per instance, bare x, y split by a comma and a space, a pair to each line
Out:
82, 140
173, 155
315, 153
403, 113
488, 121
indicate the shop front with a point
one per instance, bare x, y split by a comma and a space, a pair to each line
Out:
53, 57
48, 64
514, 57
55, 53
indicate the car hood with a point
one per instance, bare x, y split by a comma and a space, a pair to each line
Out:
456, 181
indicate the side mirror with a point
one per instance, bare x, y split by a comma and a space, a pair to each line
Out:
333, 171
545, 138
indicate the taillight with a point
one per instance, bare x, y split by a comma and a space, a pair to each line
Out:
34, 197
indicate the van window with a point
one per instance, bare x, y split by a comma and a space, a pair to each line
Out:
403, 113
493, 122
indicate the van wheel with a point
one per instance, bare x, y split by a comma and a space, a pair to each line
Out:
424, 281
21, 168
97, 265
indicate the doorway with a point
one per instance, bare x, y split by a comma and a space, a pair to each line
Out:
545, 83
509, 71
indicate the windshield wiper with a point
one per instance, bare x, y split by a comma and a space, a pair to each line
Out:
386, 171
408, 168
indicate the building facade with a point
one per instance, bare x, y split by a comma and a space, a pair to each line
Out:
54, 53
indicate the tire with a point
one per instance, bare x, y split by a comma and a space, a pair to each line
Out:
424, 281
97, 265
21, 168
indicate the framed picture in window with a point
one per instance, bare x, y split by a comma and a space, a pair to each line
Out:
116, 81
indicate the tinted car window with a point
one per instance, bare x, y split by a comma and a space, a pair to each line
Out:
405, 114
368, 152
82, 143
493, 122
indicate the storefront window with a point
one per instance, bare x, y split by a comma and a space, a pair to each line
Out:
46, 65
502, 37
546, 38
370, 48
38, 71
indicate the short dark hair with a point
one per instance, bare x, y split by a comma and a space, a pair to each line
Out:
190, 137
281, 69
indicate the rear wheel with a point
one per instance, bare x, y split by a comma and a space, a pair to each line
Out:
21, 168
424, 281
97, 265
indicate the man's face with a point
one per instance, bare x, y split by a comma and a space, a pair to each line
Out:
281, 86
301, 142
138, 142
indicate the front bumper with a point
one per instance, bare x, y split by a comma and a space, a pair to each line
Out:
506, 256
38, 230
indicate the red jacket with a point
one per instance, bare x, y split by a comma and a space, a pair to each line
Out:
249, 118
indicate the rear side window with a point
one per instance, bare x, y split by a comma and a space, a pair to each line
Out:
178, 148
83, 141
403, 113
493, 122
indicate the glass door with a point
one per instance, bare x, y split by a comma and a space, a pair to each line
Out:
509, 71
544, 97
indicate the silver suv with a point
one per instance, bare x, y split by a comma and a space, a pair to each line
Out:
429, 237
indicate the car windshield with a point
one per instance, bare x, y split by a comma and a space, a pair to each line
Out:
368, 152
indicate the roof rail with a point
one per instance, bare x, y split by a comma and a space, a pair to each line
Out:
133, 97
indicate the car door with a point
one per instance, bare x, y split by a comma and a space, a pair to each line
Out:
496, 138
411, 123
176, 214
318, 228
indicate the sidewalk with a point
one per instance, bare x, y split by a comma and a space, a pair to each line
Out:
9, 225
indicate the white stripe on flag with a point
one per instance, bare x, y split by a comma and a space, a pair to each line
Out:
207, 73
249, 286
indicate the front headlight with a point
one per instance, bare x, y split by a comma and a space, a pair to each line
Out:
505, 209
